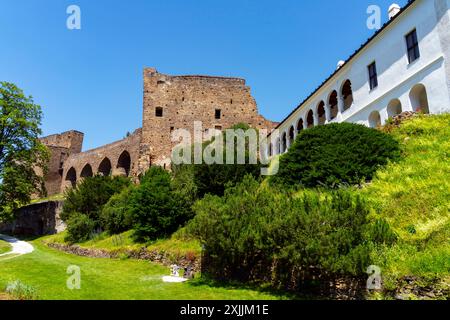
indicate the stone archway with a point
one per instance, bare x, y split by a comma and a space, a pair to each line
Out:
105, 167
87, 171
123, 165
71, 178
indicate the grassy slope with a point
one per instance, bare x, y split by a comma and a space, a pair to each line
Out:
4, 246
55, 197
175, 246
414, 196
45, 270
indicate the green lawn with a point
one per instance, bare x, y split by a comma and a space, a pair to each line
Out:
4, 246
105, 279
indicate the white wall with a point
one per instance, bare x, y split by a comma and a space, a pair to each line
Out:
396, 77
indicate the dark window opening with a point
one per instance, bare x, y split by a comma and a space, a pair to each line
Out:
159, 112
347, 94
218, 114
218, 128
413, 46
333, 102
373, 77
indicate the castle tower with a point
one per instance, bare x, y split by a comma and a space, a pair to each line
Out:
175, 102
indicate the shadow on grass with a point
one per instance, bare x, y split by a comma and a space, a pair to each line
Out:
262, 288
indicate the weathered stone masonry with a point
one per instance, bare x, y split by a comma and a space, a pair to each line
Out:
170, 103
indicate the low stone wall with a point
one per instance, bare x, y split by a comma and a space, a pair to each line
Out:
143, 253
36, 220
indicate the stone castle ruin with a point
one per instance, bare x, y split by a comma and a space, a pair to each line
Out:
170, 103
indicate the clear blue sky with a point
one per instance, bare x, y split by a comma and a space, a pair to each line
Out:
91, 79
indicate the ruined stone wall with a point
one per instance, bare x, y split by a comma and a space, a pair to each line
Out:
185, 99
53, 178
117, 158
170, 103
36, 220
61, 146
72, 140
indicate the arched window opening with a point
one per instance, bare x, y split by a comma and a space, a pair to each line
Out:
86, 172
105, 167
375, 119
394, 108
291, 135
333, 104
347, 94
283, 143
299, 125
419, 99
310, 119
321, 113
71, 177
124, 164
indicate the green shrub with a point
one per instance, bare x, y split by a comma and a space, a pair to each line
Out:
380, 231
20, 291
336, 154
80, 228
212, 178
91, 195
115, 216
183, 182
157, 210
260, 233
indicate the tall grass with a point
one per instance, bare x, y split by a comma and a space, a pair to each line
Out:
413, 195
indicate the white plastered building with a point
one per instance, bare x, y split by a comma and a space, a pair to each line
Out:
405, 66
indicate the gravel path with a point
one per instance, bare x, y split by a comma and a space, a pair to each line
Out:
18, 247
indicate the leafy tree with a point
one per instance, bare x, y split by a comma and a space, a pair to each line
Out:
115, 216
212, 178
80, 228
23, 158
157, 210
89, 196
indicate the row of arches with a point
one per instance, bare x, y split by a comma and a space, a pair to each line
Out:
419, 103
105, 168
323, 113
417, 96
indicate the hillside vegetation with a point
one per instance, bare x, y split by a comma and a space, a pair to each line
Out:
413, 195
